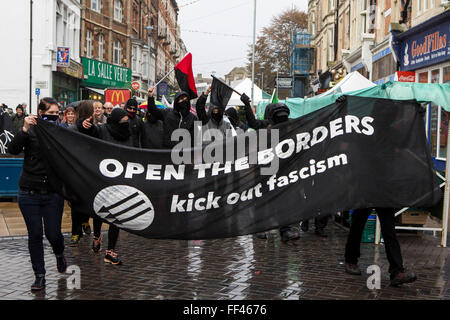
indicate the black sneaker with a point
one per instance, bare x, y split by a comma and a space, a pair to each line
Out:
403, 277
304, 225
75, 241
61, 263
289, 235
86, 228
352, 269
39, 283
97, 244
111, 257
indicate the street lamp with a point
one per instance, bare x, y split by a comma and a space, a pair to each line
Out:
278, 67
149, 28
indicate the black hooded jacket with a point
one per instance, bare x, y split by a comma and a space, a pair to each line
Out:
234, 118
172, 119
268, 121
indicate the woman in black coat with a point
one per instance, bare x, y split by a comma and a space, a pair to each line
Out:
37, 200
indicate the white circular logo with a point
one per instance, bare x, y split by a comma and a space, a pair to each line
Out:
125, 207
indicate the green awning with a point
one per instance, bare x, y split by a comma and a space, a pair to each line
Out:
421, 92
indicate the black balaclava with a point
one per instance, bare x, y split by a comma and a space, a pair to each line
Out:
232, 116
50, 117
119, 131
131, 103
182, 107
277, 113
217, 117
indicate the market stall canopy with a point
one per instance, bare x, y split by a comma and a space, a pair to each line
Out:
351, 82
421, 92
245, 86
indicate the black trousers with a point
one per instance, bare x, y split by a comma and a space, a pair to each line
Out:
113, 233
321, 222
393, 252
78, 218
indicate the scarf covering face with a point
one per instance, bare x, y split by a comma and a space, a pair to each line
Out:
131, 103
119, 131
182, 107
217, 117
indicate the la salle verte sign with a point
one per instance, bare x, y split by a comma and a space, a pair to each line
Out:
103, 74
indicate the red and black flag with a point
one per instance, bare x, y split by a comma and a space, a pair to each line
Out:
185, 76
220, 93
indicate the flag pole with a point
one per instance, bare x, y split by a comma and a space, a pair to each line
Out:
253, 49
164, 77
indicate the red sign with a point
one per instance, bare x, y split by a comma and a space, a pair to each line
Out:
117, 96
405, 76
135, 85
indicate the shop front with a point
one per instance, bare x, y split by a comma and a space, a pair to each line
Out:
100, 75
66, 83
384, 65
425, 50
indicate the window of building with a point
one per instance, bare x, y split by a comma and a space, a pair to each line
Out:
117, 52
118, 10
419, 6
134, 59
330, 45
331, 4
95, 5
425, 5
100, 47
88, 43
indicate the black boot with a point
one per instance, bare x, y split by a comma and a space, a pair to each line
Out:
39, 283
61, 263
291, 234
403, 277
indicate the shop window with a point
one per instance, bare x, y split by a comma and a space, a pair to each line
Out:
443, 132
446, 77
423, 77
435, 76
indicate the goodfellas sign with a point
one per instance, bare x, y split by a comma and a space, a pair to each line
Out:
425, 48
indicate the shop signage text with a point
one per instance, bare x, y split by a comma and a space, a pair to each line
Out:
102, 74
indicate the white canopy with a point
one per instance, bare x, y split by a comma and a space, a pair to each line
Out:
351, 82
245, 86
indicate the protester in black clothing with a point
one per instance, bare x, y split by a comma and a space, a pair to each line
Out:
152, 132
180, 117
135, 121
116, 130
37, 200
233, 116
83, 124
214, 118
398, 274
275, 114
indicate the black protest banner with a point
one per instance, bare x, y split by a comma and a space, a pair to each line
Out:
361, 153
6, 131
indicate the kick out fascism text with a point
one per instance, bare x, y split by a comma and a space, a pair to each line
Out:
113, 168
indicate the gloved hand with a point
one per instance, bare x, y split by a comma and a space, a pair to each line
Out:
245, 99
341, 99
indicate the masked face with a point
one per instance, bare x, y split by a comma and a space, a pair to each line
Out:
183, 107
217, 115
277, 118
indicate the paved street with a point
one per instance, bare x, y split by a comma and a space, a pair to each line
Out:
236, 268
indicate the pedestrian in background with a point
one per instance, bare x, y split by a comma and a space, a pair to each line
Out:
69, 117
108, 106
99, 117
18, 118
37, 200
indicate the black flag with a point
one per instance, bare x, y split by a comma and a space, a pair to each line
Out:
6, 131
364, 153
220, 93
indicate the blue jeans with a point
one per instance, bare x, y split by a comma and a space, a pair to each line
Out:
36, 207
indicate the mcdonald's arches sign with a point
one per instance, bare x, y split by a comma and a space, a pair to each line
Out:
117, 96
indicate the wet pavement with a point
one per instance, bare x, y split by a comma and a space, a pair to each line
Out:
236, 268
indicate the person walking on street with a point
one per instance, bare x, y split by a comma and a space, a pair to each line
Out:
18, 118
319, 223
116, 130
398, 274
41, 206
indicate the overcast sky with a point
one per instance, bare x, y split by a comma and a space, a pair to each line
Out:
218, 32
